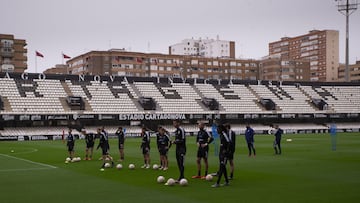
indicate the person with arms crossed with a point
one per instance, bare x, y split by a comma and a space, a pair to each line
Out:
203, 139
277, 133
163, 146
90, 142
121, 138
249, 137
70, 143
180, 142
145, 147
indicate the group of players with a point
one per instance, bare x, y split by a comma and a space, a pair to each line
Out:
226, 153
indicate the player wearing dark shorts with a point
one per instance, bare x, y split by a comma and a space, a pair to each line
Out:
90, 142
277, 141
249, 137
70, 144
180, 142
104, 144
232, 137
225, 151
145, 146
203, 139
121, 138
164, 144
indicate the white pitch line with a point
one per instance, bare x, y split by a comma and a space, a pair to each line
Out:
23, 169
32, 150
33, 162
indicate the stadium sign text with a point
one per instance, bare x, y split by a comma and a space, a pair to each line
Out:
132, 117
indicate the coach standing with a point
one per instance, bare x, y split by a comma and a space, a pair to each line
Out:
249, 136
121, 139
277, 141
180, 142
70, 143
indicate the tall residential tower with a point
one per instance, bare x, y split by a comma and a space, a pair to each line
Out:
319, 47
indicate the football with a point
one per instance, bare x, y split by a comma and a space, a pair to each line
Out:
131, 166
160, 179
155, 167
107, 165
68, 159
183, 182
119, 166
209, 177
170, 182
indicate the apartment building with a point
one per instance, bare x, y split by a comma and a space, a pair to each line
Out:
121, 62
354, 71
319, 47
276, 68
13, 54
210, 48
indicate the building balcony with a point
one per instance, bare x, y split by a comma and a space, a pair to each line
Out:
6, 52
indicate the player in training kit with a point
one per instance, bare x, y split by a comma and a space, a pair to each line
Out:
145, 146
225, 151
203, 139
180, 142
104, 144
163, 143
90, 142
231, 135
249, 137
121, 138
278, 133
70, 144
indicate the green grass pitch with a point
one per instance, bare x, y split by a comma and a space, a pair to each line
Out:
307, 171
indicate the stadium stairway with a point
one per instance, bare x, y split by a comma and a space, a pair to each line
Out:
7, 106
258, 99
64, 104
203, 107
66, 88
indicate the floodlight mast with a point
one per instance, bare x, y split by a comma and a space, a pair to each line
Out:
347, 9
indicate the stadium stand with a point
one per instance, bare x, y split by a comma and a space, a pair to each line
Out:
40, 103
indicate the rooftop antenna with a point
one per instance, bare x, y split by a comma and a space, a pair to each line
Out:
347, 7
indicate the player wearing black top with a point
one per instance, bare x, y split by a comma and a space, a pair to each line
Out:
225, 151
121, 138
104, 144
249, 137
90, 142
231, 135
163, 143
203, 139
278, 133
70, 143
145, 146
180, 142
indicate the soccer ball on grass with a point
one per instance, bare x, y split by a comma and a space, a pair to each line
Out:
183, 182
160, 179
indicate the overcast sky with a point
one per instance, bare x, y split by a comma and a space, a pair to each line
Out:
77, 26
